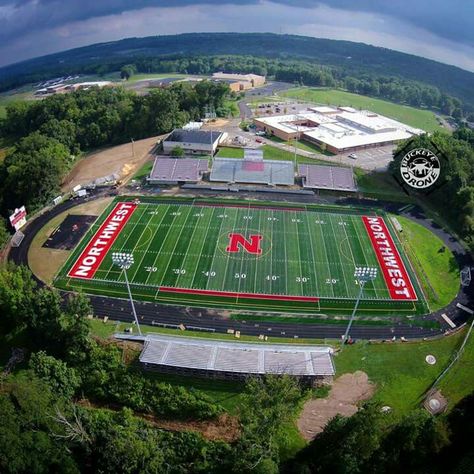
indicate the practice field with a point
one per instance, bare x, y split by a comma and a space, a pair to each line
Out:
246, 255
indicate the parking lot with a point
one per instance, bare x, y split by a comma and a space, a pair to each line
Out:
376, 158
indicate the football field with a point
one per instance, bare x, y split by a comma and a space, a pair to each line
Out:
245, 255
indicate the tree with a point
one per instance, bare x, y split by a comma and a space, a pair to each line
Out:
267, 404
127, 71
28, 429
410, 445
17, 293
177, 151
62, 380
4, 233
62, 332
34, 171
346, 445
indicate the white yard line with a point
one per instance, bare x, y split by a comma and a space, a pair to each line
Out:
328, 218
199, 254
299, 253
315, 273
189, 244
216, 248
257, 260
228, 258
164, 239
243, 253
146, 251
339, 242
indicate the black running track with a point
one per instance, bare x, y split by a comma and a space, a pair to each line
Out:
206, 319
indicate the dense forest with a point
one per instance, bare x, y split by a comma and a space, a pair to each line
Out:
355, 59
50, 134
76, 404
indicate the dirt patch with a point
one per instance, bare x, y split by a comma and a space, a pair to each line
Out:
225, 428
346, 393
121, 159
220, 122
44, 262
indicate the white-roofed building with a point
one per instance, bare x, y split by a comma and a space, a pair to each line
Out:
338, 130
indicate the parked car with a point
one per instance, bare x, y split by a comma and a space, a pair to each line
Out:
353, 156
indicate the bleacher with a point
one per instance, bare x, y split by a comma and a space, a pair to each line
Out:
327, 177
253, 171
211, 358
176, 170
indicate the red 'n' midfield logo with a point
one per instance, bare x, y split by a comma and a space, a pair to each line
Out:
250, 246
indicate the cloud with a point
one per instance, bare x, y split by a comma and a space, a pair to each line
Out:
50, 26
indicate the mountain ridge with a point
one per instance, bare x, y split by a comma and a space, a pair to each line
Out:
353, 56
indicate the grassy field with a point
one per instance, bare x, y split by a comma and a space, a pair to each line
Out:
418, 118
184, 252
441, 267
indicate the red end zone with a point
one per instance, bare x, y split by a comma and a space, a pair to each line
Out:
93, 255
394, 272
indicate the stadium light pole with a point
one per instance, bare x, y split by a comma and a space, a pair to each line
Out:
362, 275
125, 261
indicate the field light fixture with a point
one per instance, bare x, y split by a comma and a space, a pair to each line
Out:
362, 275
365, 274
122, 260
125, 261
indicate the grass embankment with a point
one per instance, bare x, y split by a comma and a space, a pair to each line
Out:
381, 185
437, 270
401, 374
269, 153
144, 171
419, 118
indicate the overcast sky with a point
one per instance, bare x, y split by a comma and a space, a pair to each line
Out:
438, 29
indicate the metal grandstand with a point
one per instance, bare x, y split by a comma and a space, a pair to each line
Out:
327, 177
253, 170
223, 359
174, 170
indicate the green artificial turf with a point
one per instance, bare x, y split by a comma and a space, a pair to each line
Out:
183, 245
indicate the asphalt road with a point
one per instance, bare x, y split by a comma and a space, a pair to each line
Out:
212, 320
